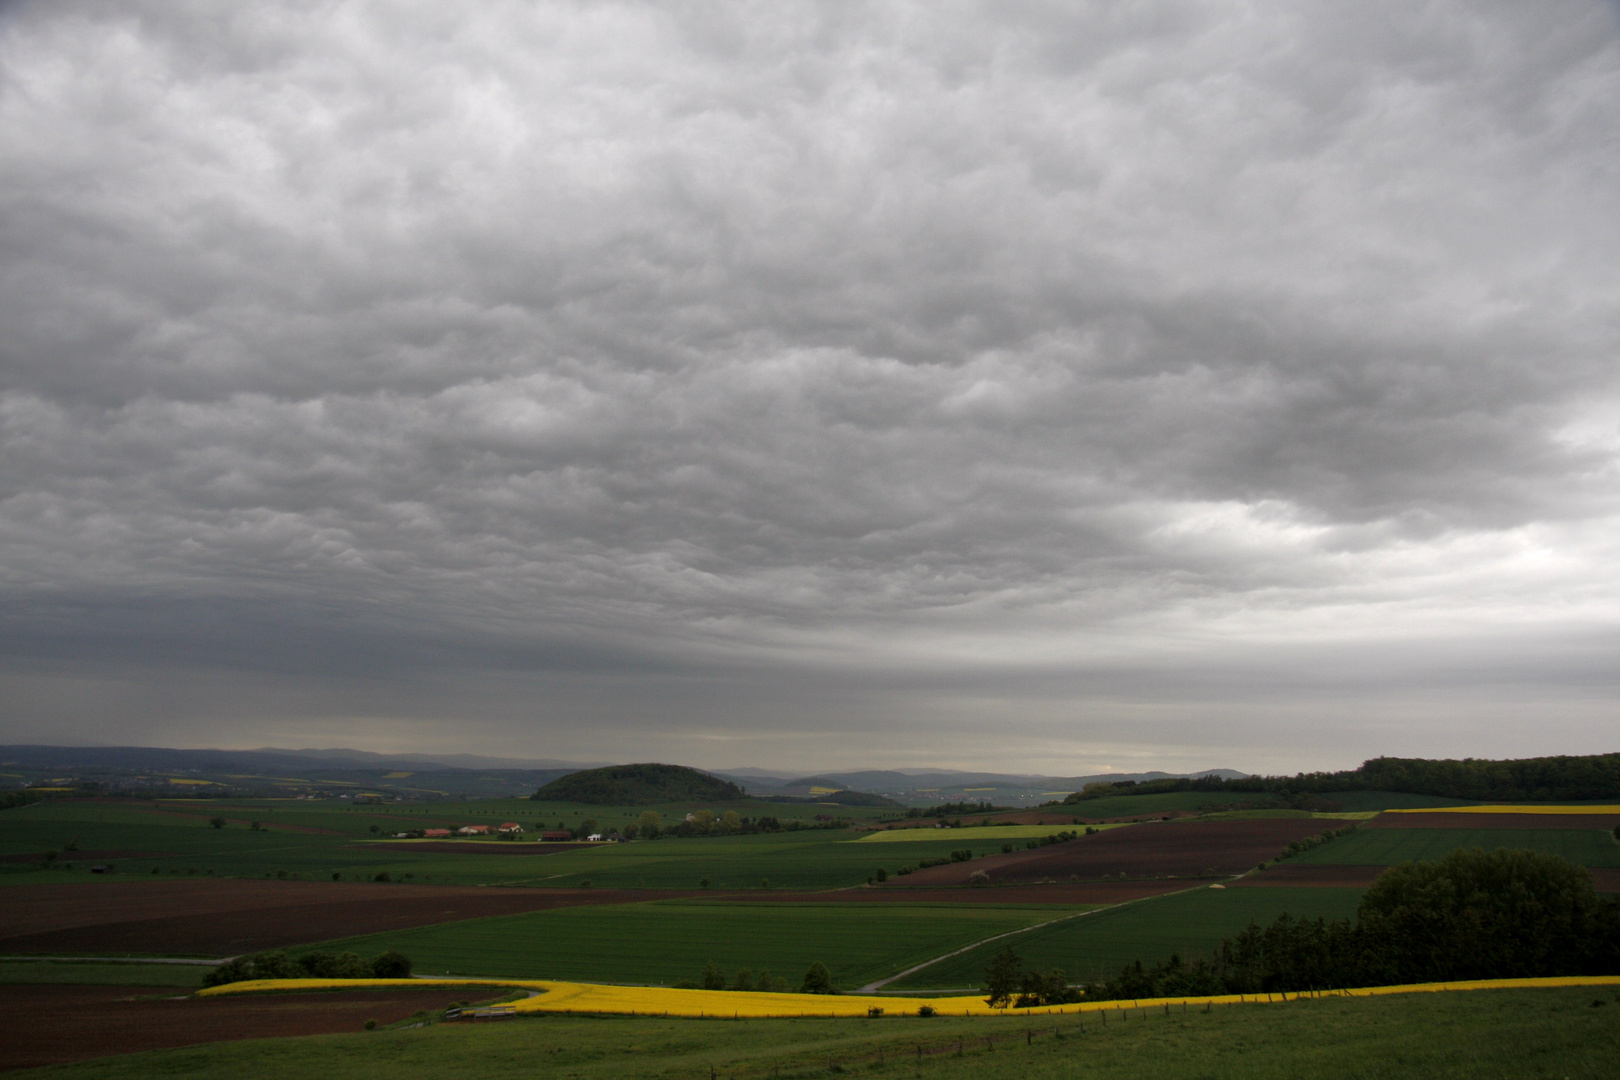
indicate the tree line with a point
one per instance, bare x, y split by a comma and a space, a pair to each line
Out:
315, 965
1545, 779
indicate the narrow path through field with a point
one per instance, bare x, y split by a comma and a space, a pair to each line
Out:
876, 987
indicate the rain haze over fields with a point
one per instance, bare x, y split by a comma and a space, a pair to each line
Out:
1032, 387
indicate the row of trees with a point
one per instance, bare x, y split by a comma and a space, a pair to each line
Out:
315, 965
1472, 915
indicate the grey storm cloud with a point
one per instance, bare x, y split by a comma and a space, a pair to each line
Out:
1087, 380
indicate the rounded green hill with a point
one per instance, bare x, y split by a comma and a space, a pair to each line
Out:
637, 785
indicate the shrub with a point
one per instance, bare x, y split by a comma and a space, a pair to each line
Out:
391, 965
874, 1011
382, 876
882, 874
217, 822
371, 1025
925, 1010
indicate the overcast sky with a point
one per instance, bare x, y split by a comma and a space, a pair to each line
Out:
1039, 387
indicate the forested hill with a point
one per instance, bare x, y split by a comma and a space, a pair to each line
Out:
639, 785
1546, 779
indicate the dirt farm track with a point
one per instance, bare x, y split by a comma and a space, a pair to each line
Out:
50, 1025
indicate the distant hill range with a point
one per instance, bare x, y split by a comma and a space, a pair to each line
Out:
639, 785
331, 772
147, 770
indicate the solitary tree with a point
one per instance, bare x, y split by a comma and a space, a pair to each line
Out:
217, 822
1002, 977
818, 980
714, 978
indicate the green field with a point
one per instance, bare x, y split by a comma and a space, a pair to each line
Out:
1523, 1034
1384, 847
85, 973
1099, 944
672, 941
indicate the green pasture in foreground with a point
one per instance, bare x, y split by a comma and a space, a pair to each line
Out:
1384, 847
1524, 1034
84, 973
1099, 944
673, 941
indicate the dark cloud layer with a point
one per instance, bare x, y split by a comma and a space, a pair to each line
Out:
985, 384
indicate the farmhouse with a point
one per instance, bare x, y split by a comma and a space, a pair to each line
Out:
556, 834
435, 834
473, 830
511, 828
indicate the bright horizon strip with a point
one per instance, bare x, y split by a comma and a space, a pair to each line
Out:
572, 997
1515, 808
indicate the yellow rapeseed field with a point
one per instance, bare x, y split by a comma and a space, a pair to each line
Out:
574, 997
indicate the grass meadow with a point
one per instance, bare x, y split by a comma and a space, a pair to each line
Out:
1099, 944
1524, 1034
672, 941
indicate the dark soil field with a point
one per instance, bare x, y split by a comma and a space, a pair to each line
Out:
226, 917
1312, 875
50, 1025
1172, 849
1440, 820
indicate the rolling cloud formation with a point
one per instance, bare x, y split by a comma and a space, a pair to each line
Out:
1045, 386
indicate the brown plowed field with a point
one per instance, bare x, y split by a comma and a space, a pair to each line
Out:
1313, 875
225, 917
49, 1025
1189, 849
1494, 821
